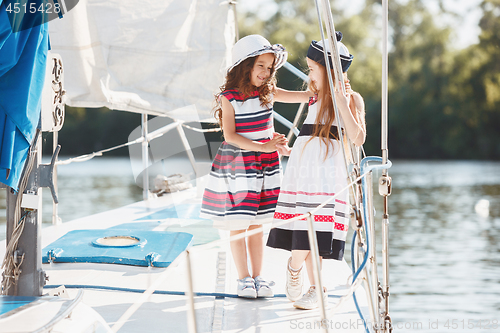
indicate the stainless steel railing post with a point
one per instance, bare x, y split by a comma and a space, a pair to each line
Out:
191, 318
313, 245
374, 281
145, 157
187, 147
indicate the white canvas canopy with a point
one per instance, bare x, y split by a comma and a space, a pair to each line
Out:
144, 56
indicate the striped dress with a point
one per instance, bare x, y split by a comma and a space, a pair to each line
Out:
309, 180
243, 185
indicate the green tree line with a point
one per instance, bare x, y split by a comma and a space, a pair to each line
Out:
444, 102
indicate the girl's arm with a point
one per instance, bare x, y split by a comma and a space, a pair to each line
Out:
353, 121
230, 135
357, 106
288, 96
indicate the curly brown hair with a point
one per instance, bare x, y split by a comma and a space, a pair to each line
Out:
239, 79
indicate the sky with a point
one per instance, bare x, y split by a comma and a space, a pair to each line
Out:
466, 25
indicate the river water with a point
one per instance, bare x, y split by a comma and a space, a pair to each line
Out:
444, 239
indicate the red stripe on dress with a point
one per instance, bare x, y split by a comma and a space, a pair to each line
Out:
226, 205
249, 164
233, 93
261, 122
223, 196
252, 129
317, 218
236, 167
243, 159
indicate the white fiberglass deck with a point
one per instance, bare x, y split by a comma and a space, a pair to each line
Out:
111, 290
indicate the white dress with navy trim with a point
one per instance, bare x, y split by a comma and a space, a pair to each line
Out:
309, 180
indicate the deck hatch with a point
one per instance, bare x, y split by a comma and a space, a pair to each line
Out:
117, 241
118, 246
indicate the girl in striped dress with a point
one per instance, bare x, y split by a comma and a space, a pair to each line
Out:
316, 171
245, 177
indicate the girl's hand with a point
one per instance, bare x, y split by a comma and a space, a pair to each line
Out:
284, 150
348, 87
271, 145
275, 134
342, 100
282, 136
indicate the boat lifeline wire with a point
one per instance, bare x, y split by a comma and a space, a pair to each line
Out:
86, 157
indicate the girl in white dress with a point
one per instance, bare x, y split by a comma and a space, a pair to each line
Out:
315, 172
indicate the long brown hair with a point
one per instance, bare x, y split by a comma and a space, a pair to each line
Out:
326, 111
239, 79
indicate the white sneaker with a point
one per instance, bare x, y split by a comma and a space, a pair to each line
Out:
263, 287
246, 288
310, 300
294, 281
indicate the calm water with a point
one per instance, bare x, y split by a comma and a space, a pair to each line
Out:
444, 256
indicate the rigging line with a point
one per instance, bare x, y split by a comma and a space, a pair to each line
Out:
353, 264
365, 162
90, 156
18, 229
16, 234
86, 157
330, 29
385, 179
9, 260
352, 193
330, 82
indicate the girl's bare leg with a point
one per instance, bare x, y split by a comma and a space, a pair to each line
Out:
239, 252
310, 268
298, 258
256, 250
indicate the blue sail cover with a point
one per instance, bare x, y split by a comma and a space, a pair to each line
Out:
23, 56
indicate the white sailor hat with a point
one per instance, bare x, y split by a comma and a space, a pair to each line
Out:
255, 45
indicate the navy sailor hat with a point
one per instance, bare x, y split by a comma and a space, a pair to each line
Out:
315, 53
